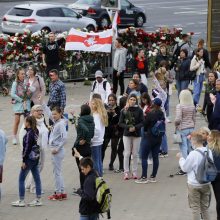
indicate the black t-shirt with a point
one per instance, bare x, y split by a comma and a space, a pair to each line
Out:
51, 50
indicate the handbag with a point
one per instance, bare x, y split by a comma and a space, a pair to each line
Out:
177, 139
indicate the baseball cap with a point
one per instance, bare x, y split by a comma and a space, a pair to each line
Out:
98, 73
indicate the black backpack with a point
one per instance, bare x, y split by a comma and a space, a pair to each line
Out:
104, 85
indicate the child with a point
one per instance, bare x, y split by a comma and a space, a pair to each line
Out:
57, 139
3, 142
199, 195
30, 155
88, 207
85, 132
204, 131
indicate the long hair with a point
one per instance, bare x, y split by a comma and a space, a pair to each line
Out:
186, 98
17, 73
32, 122
146, 96
214, 145
100, 109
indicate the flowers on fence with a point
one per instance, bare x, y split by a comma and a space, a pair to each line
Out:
28, 47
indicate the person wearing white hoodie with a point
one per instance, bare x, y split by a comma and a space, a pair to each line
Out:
101, 121
57, 140
37, 112
199, 195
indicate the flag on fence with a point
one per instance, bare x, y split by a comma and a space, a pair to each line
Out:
97, 42
115, 23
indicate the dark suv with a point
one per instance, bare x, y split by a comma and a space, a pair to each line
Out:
129, 14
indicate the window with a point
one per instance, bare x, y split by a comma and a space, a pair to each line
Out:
43, 13
89, 2
55, 12
69, 13
23, 12
125, 4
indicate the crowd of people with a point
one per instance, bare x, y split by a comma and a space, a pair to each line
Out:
134, 124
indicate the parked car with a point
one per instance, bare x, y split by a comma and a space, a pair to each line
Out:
42, 16
129, 14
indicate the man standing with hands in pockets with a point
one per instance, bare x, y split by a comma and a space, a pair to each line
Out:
119, 66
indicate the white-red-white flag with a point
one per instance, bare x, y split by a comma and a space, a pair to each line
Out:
97, 42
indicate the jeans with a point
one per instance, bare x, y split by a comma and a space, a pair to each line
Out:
154, 148
114, 147
131, 145
57, 160
117, 79
181, 85
97, 159
185, 146
164, 146
31, 165
30, 181
120, 154
167, 106
89, 217
197, 88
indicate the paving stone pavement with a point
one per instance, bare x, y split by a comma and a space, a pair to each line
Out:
164, 200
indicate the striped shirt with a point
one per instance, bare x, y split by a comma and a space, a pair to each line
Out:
185, 116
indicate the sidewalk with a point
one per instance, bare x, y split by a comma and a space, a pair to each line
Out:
164, 200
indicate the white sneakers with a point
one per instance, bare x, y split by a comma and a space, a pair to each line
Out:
35, 202
21, 203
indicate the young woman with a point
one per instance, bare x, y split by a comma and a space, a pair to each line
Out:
153, 142
111, 132
182, 69
57, 140
146, 105
131, 120
37, 86
30, 159
198, 65
122, 104
85, 132
101, 121
163, 56
141, 66
185, 121
210, 89
214, 145
133, 88
21, 94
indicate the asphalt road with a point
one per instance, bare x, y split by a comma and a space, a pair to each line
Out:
191, 15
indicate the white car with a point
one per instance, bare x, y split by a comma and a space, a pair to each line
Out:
44, 16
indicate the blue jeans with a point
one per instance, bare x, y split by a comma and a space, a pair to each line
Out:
197, 88
185, 146
154, 148
167, 106
143, 142
164, 146
97, 158
89, 217
31, 165
181, 85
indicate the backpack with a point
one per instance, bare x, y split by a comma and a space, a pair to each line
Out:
177, 51
104, 85
206, 171
158, 129
103, 196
